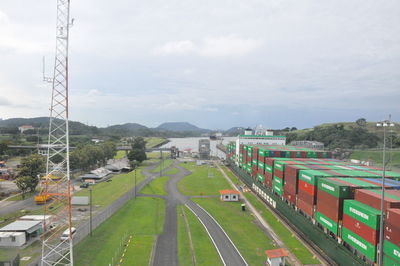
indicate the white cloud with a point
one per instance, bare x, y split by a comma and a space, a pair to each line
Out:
176, 48
222, 46
229, 46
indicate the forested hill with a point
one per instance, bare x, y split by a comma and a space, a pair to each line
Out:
347, 135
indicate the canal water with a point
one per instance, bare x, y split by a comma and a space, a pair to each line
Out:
193, 144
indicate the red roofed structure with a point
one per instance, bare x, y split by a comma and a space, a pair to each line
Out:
276, 257
229, 195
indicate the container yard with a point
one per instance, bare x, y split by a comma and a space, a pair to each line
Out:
334, 204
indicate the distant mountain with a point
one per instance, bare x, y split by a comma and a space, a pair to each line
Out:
180, 127
234, 131
76, 128
127, 126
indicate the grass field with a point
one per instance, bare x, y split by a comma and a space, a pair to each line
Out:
106, 192
172, 171
32, 250
166, 163
156, 187
120, 155
142, 218
294, 245
203, 249
199, 182
153, 141
376, 156
250, 240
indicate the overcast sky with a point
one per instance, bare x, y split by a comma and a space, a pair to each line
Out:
216, 64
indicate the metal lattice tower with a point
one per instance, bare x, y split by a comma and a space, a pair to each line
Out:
56, 186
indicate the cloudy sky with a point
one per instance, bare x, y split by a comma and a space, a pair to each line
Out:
216, 64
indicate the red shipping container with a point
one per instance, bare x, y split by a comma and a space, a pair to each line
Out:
291, 189
373, 199
260, 170
269, 161
289, 196
329, 206
278, 173
310, 189
369, 234
393, 216
306, 197
303, 154
392, 233
268, 180
305, 207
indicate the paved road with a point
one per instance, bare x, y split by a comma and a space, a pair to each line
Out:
166, 253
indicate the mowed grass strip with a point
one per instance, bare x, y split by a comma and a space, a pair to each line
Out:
204, 250
172, 171
200, 183
248, 237
139, 250
104, 193
143, 217
157, 186
294, 245
153, 141
120, 155
376, 156
165, 164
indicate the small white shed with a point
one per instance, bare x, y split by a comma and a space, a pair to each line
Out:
12, 239
229, 195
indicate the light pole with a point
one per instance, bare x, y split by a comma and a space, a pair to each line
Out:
384, 124
90, 209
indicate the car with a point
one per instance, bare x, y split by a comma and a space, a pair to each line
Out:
84, 185
65, 234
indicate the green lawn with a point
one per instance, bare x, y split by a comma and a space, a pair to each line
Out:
106, 192
172, 171
139, 250
19, 196
294, 245
32, 251
165, 164
153, 155
120, 155
156, 187
376, 156
203, 249
142, 218
231, 175
250, 240
199, 182
153, 141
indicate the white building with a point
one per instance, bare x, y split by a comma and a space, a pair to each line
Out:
24, 128
12, 239
229, 195
267, 139
276, 257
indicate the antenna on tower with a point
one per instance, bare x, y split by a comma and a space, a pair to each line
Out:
45, 78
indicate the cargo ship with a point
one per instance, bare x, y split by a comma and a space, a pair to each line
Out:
334, 204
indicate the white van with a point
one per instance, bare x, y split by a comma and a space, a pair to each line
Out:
65, 234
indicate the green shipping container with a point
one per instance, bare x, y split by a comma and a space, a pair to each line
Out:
343, 187
260, 165
359, 243
388, 261
260, 178
267, 168
277, 185
391, 250
362, 213
328, 223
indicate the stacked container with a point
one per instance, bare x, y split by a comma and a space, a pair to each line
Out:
333, 191
391, 244
361, 227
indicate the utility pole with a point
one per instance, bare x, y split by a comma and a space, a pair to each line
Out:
90, 208
58, 194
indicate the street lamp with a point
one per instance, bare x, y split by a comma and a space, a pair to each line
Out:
384, 124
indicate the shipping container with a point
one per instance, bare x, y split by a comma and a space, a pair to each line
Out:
359, 244
393, 216
391, 250
372, 197
388, 261
392, 232
361, 229
362, 213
